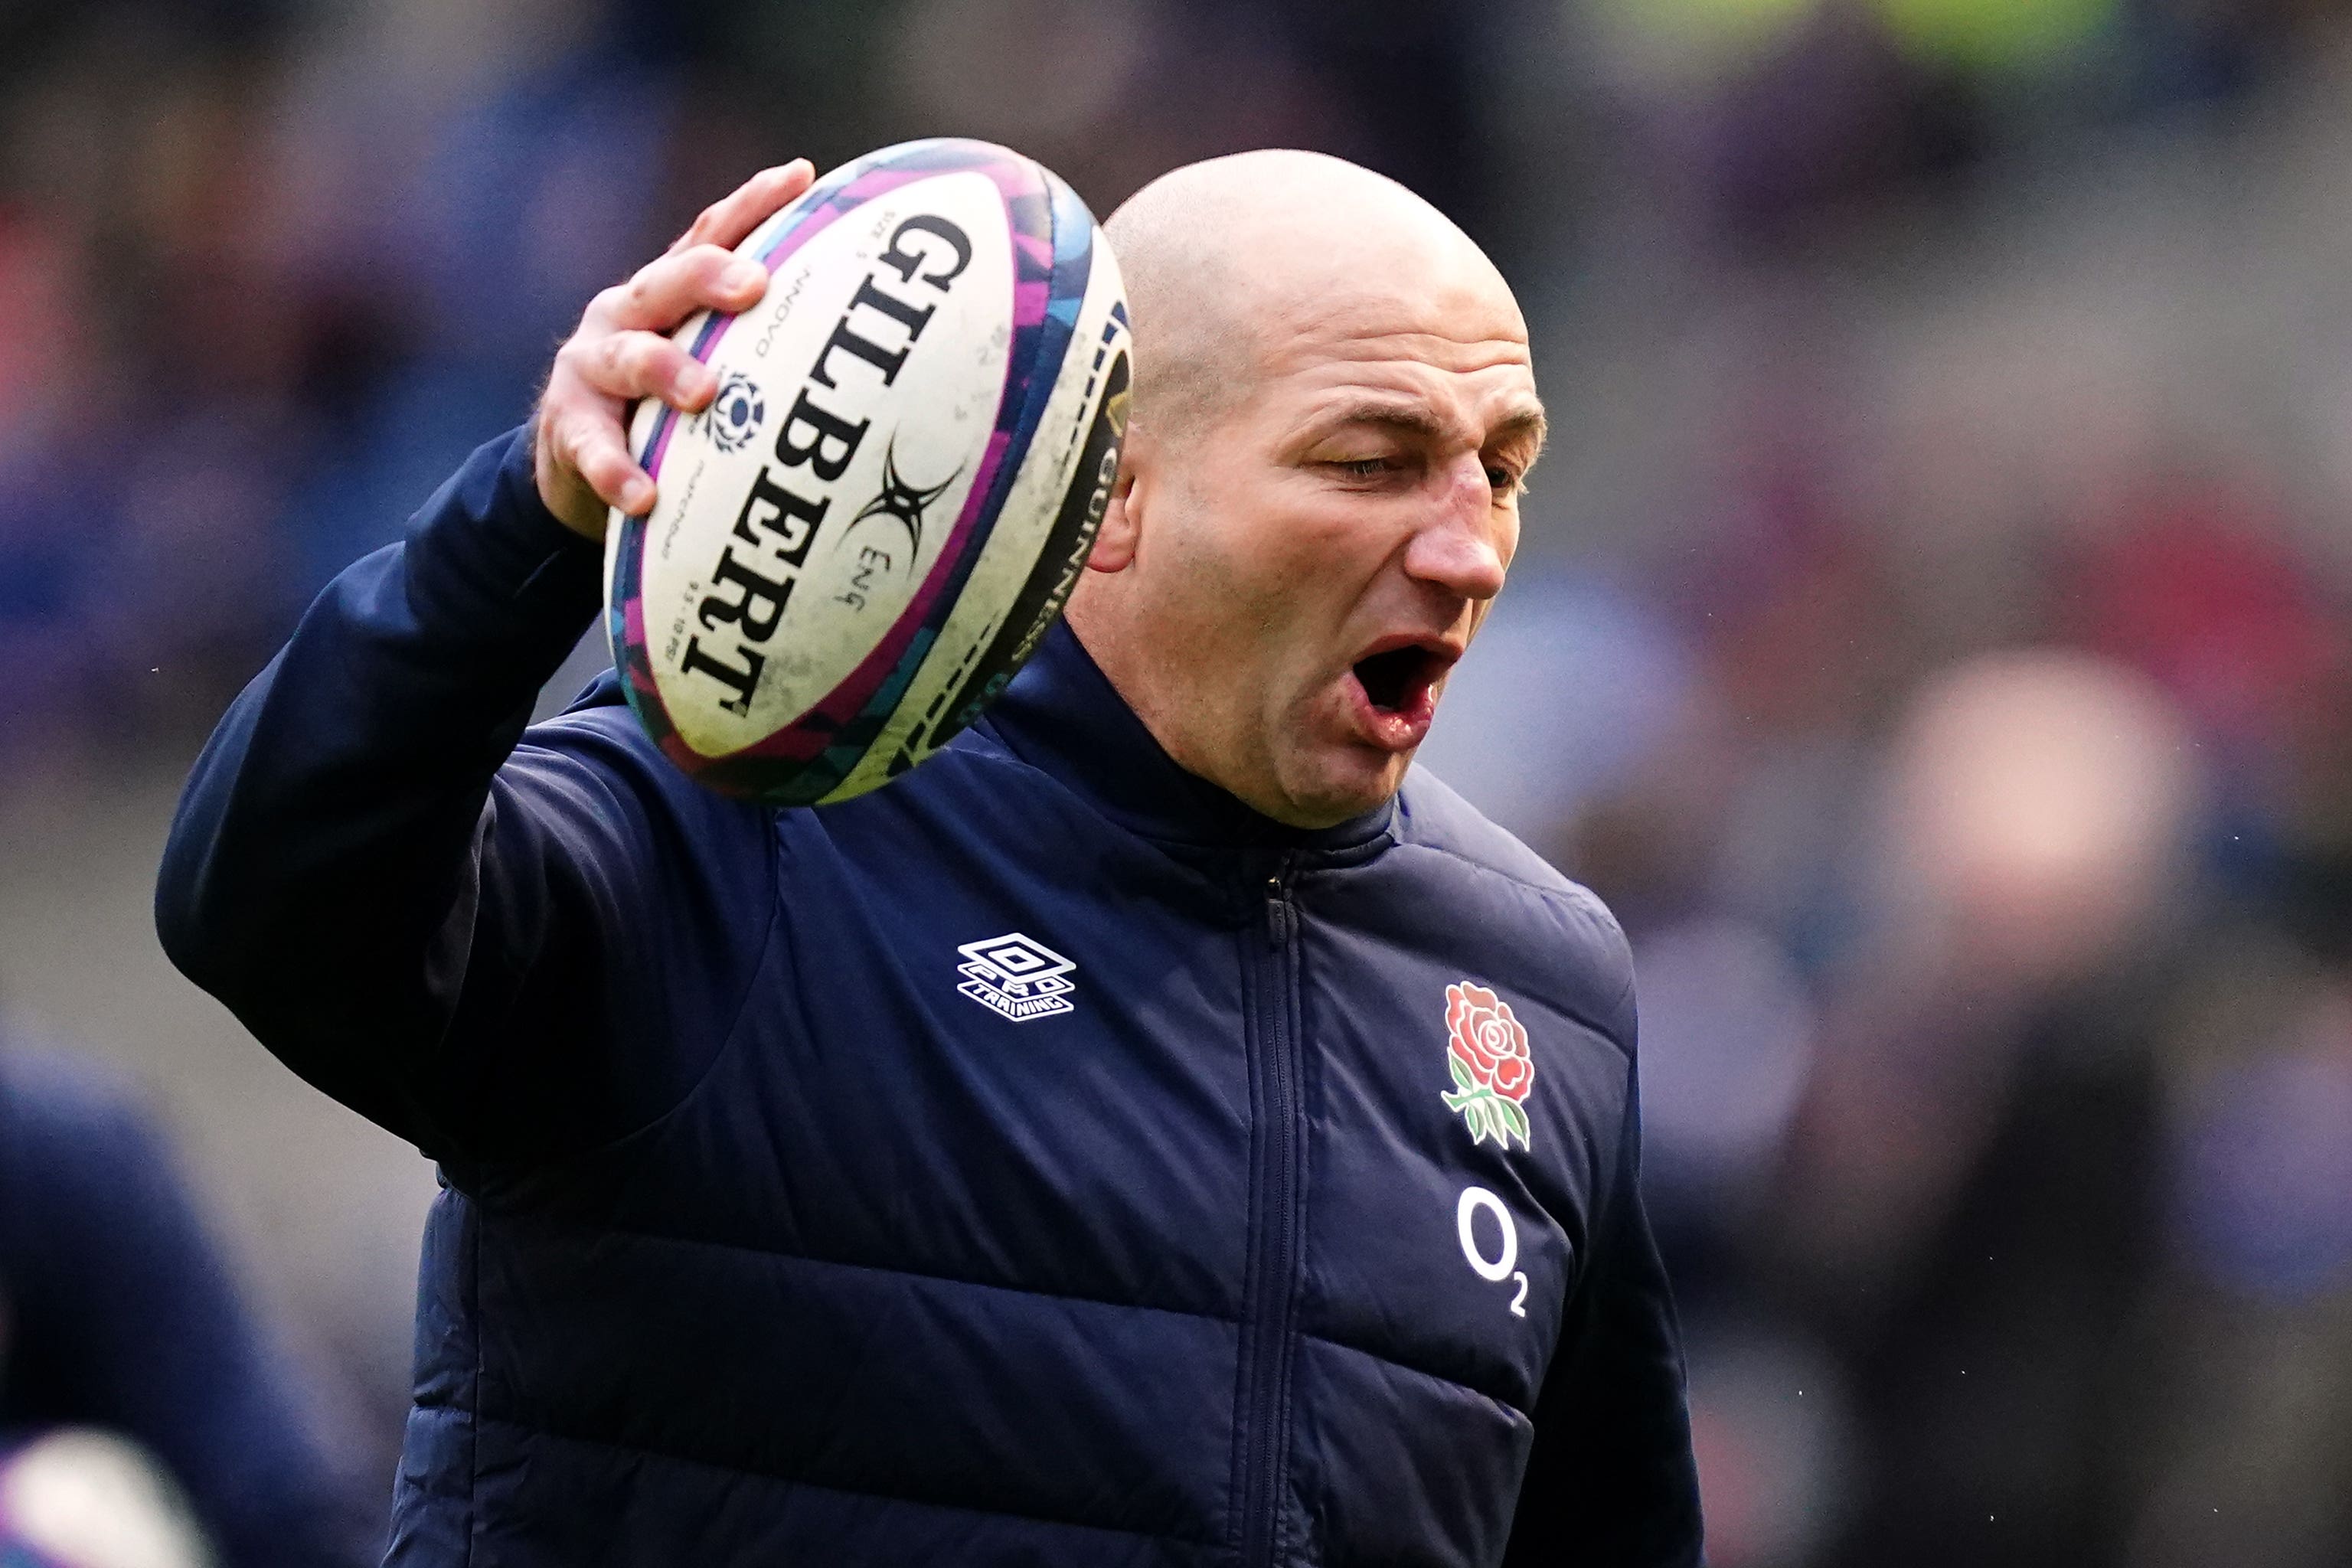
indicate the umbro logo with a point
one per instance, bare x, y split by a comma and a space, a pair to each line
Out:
1016, 976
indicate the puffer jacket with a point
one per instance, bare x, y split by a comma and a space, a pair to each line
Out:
1043, 1160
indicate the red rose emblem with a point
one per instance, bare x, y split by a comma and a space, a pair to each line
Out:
1492, 1069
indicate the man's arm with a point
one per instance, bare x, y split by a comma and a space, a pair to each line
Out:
461, 940
1611, 1480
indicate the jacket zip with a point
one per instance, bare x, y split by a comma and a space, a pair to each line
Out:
1273, 1073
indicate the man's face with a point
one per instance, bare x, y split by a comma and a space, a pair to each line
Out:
1323, 546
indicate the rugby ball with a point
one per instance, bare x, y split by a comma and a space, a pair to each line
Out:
886, 505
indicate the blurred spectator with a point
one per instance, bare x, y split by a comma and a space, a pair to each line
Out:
116, 1313
1971, 1204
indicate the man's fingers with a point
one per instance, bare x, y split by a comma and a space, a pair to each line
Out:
598, 454
633, 364
726, 222
668, 290
622, 352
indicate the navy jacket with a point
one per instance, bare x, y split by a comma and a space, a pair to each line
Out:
1043, 1160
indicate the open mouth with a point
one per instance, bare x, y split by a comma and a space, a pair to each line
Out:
1398, 681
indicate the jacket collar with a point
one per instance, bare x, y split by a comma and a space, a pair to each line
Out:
1061, 716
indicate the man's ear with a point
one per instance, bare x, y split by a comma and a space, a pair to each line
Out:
1122, 524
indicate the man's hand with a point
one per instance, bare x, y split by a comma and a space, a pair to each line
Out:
621, 351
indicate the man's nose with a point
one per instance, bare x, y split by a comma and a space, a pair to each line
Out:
1456, 548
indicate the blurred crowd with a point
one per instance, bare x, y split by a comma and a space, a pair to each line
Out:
1933, 633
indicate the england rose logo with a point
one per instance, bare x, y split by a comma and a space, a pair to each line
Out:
1486, 1048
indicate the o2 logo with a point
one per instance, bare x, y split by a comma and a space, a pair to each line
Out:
1498, 1267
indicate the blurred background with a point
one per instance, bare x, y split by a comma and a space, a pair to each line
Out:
1933, 633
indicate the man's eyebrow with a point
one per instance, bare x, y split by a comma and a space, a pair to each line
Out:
1528, 425
1525, 425
1410, 417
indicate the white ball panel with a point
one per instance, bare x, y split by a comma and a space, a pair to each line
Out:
731, 517
1031, 506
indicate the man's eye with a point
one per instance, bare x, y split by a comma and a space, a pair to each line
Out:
1503, 479
1362, 468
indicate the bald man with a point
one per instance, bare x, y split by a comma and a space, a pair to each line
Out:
1306, 1229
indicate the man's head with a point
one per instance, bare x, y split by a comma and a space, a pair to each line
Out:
1334, 410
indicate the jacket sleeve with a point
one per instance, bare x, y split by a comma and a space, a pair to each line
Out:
477, 944
1611, 1481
